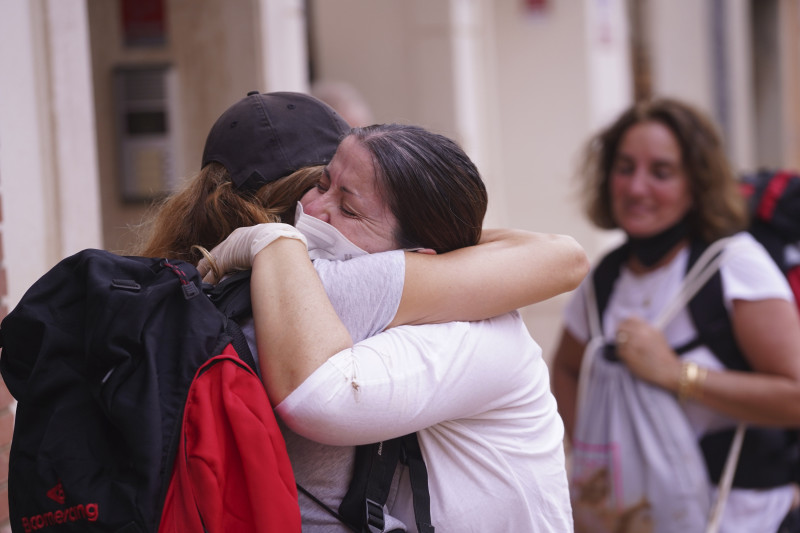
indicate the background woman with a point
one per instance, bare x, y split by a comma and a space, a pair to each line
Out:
659, 174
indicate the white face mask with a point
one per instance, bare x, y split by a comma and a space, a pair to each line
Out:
324, 241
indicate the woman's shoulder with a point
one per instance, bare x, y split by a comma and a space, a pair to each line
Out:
505, 333
366, 263
748, 272
744, 240
743, 248
496, 326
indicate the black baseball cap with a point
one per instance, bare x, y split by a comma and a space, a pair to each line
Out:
264, 137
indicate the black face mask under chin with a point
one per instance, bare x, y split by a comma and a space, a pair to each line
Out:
650, 250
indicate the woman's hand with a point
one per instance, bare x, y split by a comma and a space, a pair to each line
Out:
768, 334
239, 249
645, 352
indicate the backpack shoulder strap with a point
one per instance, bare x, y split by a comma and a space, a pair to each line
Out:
598, 292
605, 275
710, 317
239, 342
232, 297
369, 489
375, 465
769, 456
419, 482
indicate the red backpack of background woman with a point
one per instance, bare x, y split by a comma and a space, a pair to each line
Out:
774, 201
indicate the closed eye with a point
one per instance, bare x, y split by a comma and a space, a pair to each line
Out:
346, 212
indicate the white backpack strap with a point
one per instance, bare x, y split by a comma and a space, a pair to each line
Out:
726, 481
596, 341
706, 266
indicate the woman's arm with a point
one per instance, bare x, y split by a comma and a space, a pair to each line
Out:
406, 379
768, 333
509, 269
566, 371
297, 329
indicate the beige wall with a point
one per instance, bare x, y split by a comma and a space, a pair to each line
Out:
212, 47
546, 107
790, 43
398, 54
680, 48
741, 136
788, 29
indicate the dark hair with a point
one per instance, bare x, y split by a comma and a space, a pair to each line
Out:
431, 186
718, 208
208, 208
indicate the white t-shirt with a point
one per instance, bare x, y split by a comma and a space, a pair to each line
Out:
747, 273
477, 393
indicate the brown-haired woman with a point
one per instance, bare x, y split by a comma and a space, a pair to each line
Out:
659, 173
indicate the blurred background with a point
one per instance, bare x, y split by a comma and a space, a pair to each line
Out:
105, 104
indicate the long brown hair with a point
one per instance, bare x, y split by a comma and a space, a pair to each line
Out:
718, 208
208, 208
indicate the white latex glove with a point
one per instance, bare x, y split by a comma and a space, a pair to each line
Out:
239, 249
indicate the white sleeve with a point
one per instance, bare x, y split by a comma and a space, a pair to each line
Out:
365, 291
413, 377
749, 273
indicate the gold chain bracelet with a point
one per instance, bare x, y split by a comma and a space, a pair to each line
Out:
690, 383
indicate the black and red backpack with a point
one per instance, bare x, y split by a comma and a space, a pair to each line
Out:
139, 409
774, 201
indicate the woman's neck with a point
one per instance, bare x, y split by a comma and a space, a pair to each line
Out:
649, 253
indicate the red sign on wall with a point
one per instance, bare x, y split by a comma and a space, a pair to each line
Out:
536, 6
143, 22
